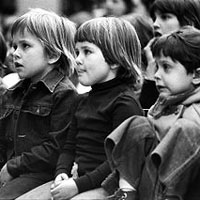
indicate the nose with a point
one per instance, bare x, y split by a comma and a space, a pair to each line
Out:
156, 24
157, 75
79, 60
16, 54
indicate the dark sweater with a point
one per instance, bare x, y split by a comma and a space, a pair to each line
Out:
98, 113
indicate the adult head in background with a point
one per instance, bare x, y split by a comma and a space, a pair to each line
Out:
117, 7
142, 7
3, 53
170, 15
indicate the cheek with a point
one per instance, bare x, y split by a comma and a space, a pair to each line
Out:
172, 26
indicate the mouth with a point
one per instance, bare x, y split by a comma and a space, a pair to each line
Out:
18, 65
157, 34
80, 72
161, 88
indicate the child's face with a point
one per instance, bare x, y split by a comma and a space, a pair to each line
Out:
165, 23
171, 77
29, 57
91, 65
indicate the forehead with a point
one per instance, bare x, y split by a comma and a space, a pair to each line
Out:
24, 35
86, 44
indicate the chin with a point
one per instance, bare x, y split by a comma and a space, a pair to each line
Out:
84, 83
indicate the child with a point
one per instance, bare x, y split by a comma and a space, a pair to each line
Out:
35, 112
168, 16
162, 151
108, 60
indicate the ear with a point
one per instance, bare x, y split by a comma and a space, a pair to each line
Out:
114, 66
53, 58
196, 77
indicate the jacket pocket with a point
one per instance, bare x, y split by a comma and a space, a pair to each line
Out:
39, 110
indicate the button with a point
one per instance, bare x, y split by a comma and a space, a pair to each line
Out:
176, 111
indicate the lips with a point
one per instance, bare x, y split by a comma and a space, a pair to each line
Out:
157, 34
160, 88
17, 65
80, 72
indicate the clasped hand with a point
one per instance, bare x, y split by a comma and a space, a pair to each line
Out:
4, 176
63, 187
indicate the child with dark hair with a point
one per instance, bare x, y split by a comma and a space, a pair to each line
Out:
162, 159
168, 16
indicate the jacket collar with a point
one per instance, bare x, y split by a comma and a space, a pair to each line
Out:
165, 102
51, 80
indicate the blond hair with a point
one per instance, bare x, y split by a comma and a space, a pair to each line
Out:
55, 33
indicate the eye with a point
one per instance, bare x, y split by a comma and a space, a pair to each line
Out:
166, 67
87, 51
165, 17
25, 45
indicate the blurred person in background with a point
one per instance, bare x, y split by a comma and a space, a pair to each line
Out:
117, 8
3, 53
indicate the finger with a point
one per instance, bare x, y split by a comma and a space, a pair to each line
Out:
54, 191
52, 186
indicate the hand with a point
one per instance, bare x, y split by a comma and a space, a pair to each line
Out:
151, 65
59, 179
4, 175
65, 190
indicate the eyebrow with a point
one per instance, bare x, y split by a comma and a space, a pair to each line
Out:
21, 41
85, 47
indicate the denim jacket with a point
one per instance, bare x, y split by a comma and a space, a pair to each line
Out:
160, 155
33, 121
